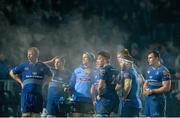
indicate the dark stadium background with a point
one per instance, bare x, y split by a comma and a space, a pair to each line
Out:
69, 27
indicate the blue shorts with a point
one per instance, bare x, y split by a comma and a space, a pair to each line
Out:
55, 102
155, 105
31, 102
56, 107
105, 106
128, 111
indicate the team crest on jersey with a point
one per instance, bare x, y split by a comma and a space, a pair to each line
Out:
166, 73
26, 68
102, 71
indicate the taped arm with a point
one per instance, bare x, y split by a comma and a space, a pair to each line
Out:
127, 87
118, 86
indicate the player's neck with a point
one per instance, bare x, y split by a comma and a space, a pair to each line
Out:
155, 65
128, 66
86, 65
34, 61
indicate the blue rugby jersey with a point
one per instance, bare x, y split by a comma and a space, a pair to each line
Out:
59, 80
155, 76
32, 75
80, 82
108, 74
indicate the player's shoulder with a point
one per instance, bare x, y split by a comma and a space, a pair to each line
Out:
164, 70
128, 72
107, 67
78, 69
103, 70
115, 71
40, 64
25, 63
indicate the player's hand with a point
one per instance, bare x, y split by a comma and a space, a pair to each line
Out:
53, 59
94, 102
98, 97
144, 92
67, 90
22, 86
147, 92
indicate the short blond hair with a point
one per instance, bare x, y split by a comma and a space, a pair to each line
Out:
124, 54
35, 50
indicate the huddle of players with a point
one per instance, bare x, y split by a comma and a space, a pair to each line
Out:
93, 87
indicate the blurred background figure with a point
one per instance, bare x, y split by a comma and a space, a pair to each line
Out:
56, 98
81, 83
6, 86
4, 66
177, 68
